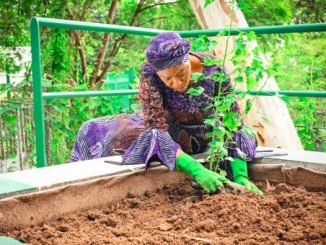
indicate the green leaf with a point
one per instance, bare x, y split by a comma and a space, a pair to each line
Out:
203, 44
251, 82
220, 132
248, 106
276, 66
240, 93
76, 118
212, 62
208, 2
218, 101
55, 142
208, 107
208, 135
196, 91
220, 149
231, 121
219, 77
238, 79
61, 108
251, 35
272, 71
211, 122
225, 103
10, 119
197, 76
27, 127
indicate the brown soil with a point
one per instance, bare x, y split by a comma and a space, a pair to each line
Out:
181, 215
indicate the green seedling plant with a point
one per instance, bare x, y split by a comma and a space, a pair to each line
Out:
223, 121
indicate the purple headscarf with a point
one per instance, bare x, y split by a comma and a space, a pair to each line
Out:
166, 50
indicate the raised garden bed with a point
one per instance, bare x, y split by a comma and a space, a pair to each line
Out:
178, 214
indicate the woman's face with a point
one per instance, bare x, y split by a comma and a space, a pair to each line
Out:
176, 77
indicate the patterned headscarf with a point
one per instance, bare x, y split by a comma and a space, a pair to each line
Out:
166, 50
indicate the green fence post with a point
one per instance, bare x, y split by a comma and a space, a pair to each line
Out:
37, 91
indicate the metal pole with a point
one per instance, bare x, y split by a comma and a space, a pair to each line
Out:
318, 27
37, 92
88, 26
62, 95
79, 25
318, 94
58, 95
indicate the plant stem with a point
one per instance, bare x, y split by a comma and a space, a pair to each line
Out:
213, 149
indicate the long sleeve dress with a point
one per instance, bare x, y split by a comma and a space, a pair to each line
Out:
169, 120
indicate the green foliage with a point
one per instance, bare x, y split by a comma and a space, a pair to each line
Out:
197, 76
297, 61
267, 12
224, 121
203, 44
303, 67
231, 121
307, 11
14, 25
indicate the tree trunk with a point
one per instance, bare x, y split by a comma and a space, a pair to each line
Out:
106, 38
278, 130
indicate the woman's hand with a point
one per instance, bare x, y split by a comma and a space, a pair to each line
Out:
210, 181
240, 175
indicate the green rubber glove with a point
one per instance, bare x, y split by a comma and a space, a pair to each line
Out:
240, 175
210, 181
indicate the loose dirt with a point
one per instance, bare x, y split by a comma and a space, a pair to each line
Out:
181, 215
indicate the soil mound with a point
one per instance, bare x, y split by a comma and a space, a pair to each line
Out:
181, 215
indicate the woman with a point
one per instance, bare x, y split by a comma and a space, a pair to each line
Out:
171, 122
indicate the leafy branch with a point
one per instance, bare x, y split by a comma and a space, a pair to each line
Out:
226, 117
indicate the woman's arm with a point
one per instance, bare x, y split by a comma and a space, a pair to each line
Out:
151, 99
179, 152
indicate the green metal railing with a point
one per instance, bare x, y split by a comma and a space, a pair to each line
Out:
38, 22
